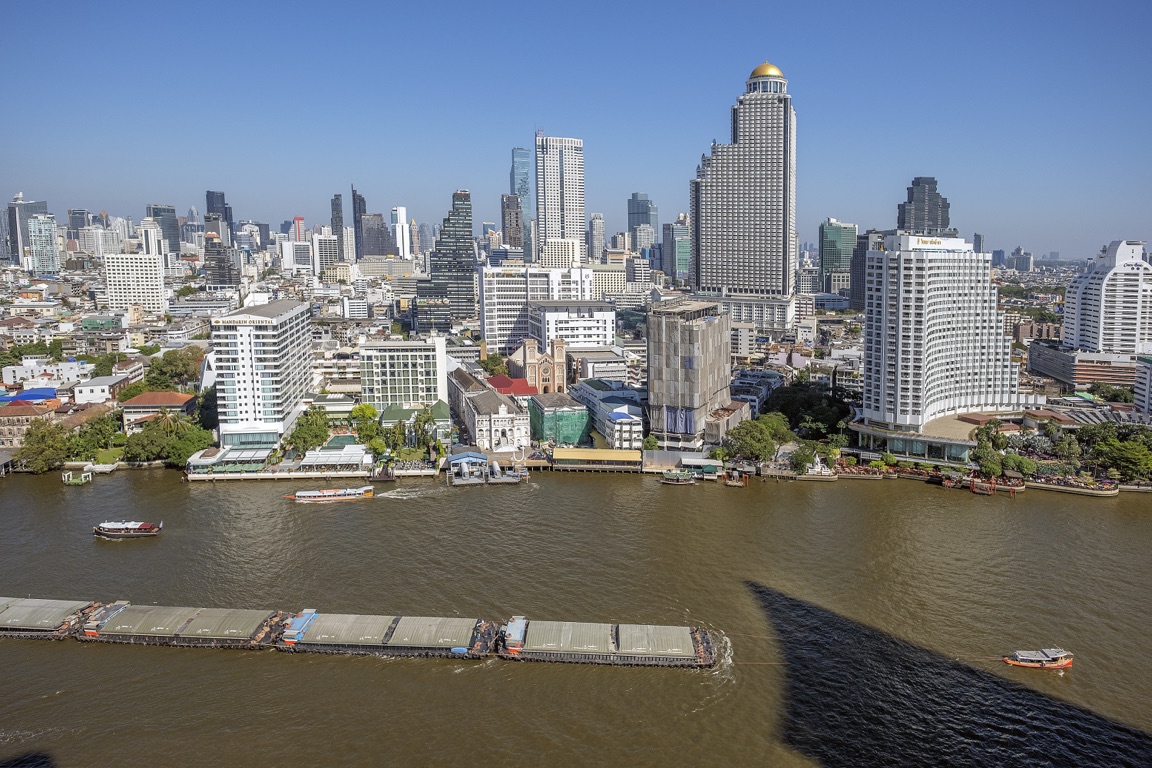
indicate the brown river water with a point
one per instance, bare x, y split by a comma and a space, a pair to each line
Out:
861, 622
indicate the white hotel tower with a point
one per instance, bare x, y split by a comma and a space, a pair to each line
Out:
1109, 308
262, 356
935, 343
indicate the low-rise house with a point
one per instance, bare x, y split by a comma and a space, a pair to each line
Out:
15, 418
99, 389
139, 410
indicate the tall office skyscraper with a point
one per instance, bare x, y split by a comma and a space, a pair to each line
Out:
676, 251
744, 197
19, 211
165, 216
43, 254
337, 221
359, 208
597, 238
78, 218
641, 210
512, 221
400, 232
978, 243
872, 240
837, 242
452, 263
925, 211
373, 239
560, 192
520, 184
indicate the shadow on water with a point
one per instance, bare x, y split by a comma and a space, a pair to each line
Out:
858, 697
29, 760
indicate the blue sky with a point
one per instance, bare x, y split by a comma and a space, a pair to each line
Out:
1034, 117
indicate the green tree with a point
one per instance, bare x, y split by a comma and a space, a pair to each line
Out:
396, 436
148, 349
1111, 393
991, 435
754, 439
720, 453
102, 365
802, 458
988, 459
207, 413
810, 404
45, 446
365, 420
1131, 459
311, 430
185, 291
147, 445
651, 443
176, 367
424, 428
494, 365
56, 349
184, 444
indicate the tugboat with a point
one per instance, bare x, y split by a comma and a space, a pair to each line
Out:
1046, 658
332, 494
678, 477
125, 529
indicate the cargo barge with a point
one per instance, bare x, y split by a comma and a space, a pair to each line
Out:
339, 633
122, 622
33, 618
638, 645
312, 632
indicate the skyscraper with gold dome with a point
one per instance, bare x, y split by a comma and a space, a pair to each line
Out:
743, 203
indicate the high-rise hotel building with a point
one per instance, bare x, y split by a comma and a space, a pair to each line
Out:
743, 198
560, 194
934, 342
262, 356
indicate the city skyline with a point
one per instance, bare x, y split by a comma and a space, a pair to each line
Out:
990, 120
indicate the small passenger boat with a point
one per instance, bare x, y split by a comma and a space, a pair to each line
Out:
1046, 658
332, 494
678, 477
125, 529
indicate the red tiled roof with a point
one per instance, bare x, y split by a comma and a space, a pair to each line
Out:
22, 408
160, 399
508, 386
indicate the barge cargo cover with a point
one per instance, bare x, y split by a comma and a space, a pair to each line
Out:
388, 635
33, 617
623, 644
168, 625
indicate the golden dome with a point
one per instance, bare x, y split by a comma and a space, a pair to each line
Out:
766, 70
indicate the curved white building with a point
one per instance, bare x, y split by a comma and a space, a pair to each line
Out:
935, 343
1109, 308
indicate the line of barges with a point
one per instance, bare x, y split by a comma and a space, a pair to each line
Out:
311, 631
